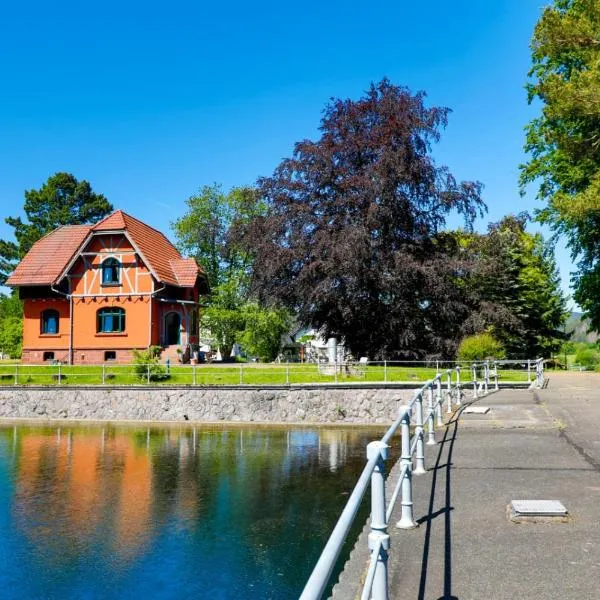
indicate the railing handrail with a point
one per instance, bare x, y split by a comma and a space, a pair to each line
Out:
376, 580
322, 572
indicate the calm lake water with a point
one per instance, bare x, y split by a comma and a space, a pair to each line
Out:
170, 512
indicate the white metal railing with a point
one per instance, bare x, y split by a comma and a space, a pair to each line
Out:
426, 406
411, 373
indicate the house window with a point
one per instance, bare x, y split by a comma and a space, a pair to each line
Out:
110, 320
48, 356
110, 355
110, 271
50, 321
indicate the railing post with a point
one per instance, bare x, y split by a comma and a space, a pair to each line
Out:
148, 373
407, 520
420, 449
528, 371
59, 374
430, 421
458, 385
241, 374
486, 376
474, 372
287, 373
438, 402
449, 392
194, 375
378, 536
496, 375
335, 367
385, 371
16, 374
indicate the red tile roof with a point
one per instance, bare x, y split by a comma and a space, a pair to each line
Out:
186, 270
44, 263
49, 257
115, 221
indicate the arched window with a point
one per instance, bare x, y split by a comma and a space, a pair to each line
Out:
50, 321
110, 320
110, 271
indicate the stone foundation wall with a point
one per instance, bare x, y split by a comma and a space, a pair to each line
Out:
93, 356
36, 357
81, 356
242, 404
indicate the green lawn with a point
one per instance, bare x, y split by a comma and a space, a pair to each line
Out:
235, 374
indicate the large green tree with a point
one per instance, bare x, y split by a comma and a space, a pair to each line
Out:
205, 232
263, 330
351, 240
514, 281
564, 141
11, 325
62, 200
222, 316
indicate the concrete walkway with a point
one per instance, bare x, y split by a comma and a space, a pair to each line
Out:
531, 445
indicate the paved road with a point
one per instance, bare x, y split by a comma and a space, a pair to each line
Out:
531, 445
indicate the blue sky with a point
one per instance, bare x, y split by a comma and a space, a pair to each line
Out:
150, 101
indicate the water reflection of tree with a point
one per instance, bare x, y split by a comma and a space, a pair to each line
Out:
256, 483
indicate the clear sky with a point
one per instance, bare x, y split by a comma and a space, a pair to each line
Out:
149, 101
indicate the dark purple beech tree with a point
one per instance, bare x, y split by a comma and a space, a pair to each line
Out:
352, 241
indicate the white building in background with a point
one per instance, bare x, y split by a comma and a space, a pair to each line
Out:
307, 344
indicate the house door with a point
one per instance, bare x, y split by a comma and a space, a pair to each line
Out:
172, 328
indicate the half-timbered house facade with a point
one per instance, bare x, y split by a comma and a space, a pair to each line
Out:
94, 293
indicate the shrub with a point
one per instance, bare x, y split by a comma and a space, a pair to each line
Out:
587, 357
479, 347
142, 359
263, 330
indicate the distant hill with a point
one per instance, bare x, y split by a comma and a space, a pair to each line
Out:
577, 329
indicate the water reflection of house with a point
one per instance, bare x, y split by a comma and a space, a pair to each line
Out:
87, 483
133, 512
42, 464
84, 495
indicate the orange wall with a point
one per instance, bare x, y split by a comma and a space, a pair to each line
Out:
32, 324
136, 334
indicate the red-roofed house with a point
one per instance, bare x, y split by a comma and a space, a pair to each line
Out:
93, 293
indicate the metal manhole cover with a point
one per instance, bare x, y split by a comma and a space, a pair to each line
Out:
477, 410
540, 508
537, 511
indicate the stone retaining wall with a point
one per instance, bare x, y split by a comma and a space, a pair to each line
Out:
275, 405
